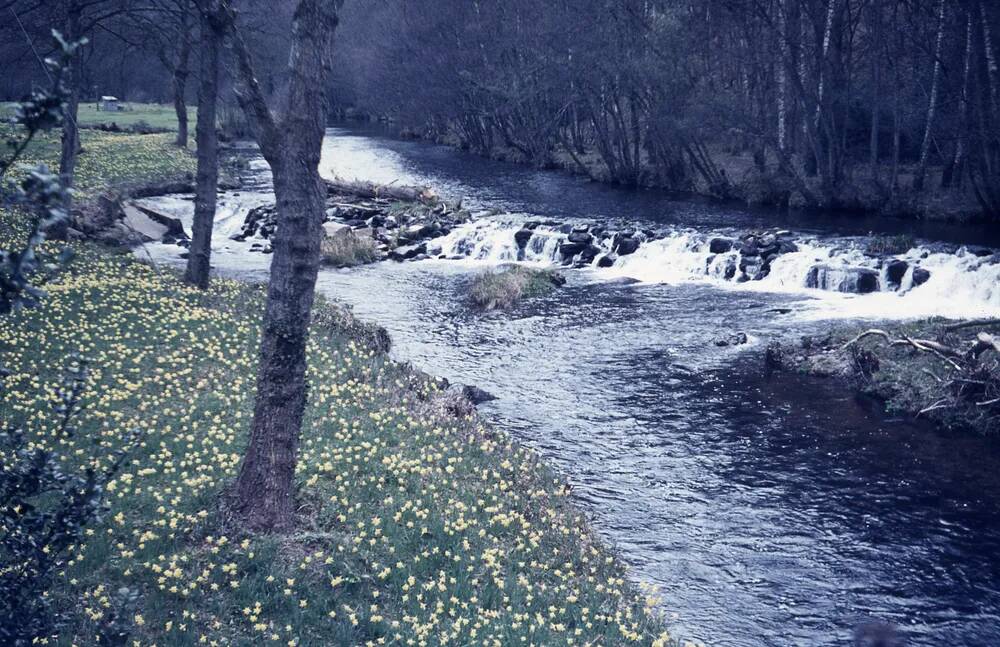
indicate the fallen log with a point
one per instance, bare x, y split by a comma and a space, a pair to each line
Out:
422, 194
973, 323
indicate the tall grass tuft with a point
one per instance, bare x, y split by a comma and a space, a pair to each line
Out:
347, 249
501, 288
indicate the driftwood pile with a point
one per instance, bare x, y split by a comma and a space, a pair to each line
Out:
968, 380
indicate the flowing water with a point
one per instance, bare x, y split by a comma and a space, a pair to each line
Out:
776, 511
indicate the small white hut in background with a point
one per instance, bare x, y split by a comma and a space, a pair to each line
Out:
109, 104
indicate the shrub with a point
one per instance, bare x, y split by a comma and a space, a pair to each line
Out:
47, 504
506, 285
880, 245
346, 249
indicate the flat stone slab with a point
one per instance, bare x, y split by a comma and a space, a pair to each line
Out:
139, 222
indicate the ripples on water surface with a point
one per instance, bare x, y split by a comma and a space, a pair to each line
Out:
777, 512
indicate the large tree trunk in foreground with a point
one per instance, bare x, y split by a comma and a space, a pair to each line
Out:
265, 487
206, 189
263, 495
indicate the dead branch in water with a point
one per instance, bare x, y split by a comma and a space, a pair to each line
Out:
973, 381
422, 194
974, 323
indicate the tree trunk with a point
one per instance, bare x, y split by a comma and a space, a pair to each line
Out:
181, 71
212, 32
992, 67
782, 78
263, 495
925, 147
896, 135
876, 88
954, 172
71, 132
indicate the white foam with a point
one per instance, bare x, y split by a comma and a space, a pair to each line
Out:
960, 285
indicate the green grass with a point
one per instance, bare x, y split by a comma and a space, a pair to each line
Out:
413, 523
113, 160
415, 526
159, 116
503, 287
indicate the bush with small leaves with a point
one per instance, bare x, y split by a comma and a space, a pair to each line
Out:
47, 504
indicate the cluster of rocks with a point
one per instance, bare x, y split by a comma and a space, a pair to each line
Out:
744, 257
400, 229
756, 253
864, 280
584, 243
122, 223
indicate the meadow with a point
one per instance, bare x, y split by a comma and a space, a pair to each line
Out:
154, 115
418, 524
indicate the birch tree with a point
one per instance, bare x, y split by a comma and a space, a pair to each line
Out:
932, 102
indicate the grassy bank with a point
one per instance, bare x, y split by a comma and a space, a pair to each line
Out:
416, 527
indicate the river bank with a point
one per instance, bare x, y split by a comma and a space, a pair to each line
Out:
743, 181
939, 370
418, 519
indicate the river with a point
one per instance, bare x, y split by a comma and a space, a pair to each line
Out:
776, 511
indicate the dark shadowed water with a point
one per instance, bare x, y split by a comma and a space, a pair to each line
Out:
779, 511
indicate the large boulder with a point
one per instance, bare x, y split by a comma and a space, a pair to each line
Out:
408, 252
720, 245
569, 250
334, 229
624, 245
145, 228
587, 255
920, 276
103, 213
607, 260
854, 280
754, 268
895, 270
522, 236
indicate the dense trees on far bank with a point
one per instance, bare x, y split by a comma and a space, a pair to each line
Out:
821, 102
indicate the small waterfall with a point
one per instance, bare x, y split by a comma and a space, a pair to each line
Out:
925, 280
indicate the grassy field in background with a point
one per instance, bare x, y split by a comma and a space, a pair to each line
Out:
419, 525
112, 160
152, 114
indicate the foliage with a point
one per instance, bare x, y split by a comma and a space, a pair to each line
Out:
46, 509
693, 94
885, 245
46, 504
40, 194
505, 286
930, 369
